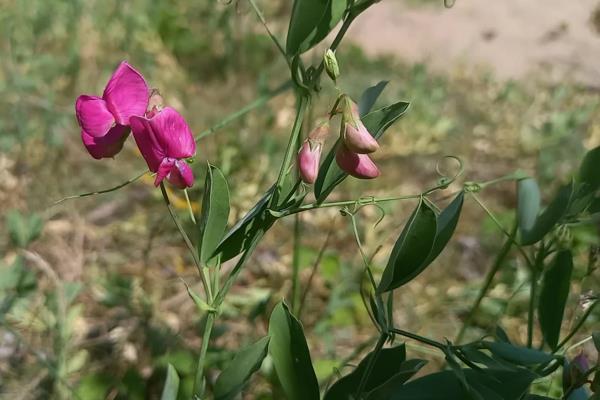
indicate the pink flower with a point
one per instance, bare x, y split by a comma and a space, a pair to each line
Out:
165, 141
356, 136
308, 161
104, 120
358, 165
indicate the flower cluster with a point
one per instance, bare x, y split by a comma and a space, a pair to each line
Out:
127, 105
352, 150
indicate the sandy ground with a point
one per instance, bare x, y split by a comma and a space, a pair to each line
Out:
516, 38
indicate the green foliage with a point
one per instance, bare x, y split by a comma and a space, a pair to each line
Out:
291, 357
245, 363
215, 211
554, 295
23, 229
171, 387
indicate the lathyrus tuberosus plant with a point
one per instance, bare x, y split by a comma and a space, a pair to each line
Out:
498, 369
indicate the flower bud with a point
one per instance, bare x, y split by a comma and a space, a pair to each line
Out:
356, 136
308, 161
331, 65
358, 165
574, 373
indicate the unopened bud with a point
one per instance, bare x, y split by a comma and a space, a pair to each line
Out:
574, 373
331, 65
355, 164
308, 161
356, 136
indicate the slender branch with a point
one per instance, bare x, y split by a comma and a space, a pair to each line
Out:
498, 262
199, 379
112, 189
296, 265
187, 241
313, 272
189, 205
580, 323
502, 229
418, 338
261, 17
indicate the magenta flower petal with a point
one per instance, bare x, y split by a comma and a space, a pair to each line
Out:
164, 169
358, 165
126, 93
358, 139
93, 115
146, 142
173, 134
108, 145
181, 175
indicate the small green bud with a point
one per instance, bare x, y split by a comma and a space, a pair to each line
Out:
331, 65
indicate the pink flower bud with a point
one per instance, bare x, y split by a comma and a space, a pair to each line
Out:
356, 136
358, 165
104, 121
308, 161
166, 141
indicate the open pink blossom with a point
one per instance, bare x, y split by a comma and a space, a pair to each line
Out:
104, 120
166, 141
358, 165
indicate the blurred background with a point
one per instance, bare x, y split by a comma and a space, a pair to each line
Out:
93, 306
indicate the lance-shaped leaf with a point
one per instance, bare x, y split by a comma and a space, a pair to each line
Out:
389, 371
311, 21
411, 249
244, 232
171, 387
237, 373
215, 211
553, 296
376, 122
487, 384
589, 178
291, 357
528, 207
369, 97
549, 217
517, 355
445, 226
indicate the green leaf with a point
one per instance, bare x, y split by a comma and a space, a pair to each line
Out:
528, 207
517, 355
215, 211
589, 178
171, 387
549, 217
245, 231
553, 296
376, 122
445, 225
490, 384
411, 249
538, 397
237, 373
23, 229
291, 357
405, 371
311, 21
369, 97
386, 366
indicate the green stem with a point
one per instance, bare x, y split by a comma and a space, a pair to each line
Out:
371, 363
261, 17
296, 265
292, 144
199, 381
418, 338
535, 274
580, 323
498, 262
362, 253
189, 204
187, 241
502, 229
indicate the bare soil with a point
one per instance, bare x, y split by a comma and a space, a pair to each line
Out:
514, 38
